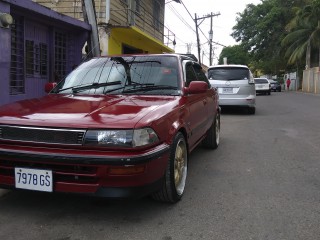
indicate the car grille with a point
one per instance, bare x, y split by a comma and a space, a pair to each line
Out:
42, 135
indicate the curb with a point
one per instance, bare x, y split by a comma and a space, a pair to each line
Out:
3, 192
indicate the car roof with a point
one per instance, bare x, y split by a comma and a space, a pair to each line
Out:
189, 55
229, 65
182, 56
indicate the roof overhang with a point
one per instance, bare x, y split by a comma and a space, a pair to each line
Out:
135, 34
38, 11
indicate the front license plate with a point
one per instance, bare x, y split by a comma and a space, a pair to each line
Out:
227, 90
33, 179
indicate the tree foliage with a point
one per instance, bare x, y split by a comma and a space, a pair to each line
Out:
304, 33
261, 28
235, 55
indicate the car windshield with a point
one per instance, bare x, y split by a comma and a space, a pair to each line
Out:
228, 73
153, 75
260, 80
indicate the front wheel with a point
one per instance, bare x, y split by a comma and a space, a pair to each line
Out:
176, 172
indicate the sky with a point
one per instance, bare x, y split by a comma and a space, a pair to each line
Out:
179, 21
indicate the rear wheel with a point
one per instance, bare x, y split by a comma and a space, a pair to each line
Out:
251, 110
212, 139
176, 172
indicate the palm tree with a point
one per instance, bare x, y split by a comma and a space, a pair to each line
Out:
304, 33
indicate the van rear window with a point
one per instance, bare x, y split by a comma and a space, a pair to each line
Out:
228, 73
261, 80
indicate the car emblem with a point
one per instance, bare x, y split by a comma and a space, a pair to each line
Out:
227, 83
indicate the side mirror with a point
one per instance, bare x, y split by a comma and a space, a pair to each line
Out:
49, 86
196, 87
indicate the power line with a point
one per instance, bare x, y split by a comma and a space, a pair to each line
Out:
180, 17
187, 10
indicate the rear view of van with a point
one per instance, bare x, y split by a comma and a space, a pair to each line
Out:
235, 85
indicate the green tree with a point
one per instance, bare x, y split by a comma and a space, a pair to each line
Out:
261, 29
235, 55
304, 34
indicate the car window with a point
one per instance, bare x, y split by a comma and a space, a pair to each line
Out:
261, 80
190, 74
228, 73
200, 74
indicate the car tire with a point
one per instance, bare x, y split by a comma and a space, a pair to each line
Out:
212, 139
176, 172
251, 110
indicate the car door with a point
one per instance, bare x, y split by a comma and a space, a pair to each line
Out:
197, 105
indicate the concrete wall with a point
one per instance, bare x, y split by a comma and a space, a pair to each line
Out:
311, 80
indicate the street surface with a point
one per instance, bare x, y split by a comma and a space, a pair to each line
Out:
263, 182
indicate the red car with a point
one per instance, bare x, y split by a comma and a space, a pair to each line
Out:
117, 127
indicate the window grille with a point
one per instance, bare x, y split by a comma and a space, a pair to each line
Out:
60, 56
43, 59
30, 57
17, 83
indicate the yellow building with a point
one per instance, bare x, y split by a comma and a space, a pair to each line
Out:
124, 26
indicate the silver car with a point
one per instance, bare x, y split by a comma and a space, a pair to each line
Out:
235, 85
263, 85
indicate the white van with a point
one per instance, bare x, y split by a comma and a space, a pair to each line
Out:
235, 85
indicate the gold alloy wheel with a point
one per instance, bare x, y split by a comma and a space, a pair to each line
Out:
180, 166
217, 129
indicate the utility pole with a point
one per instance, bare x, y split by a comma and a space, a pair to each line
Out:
210, 41
198, 40
189, 48
197, 32
90, 17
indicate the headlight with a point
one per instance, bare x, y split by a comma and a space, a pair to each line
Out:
121, 138
144, 136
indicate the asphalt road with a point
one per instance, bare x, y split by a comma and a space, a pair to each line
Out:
262, 182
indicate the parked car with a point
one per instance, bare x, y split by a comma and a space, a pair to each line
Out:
275, 86
117, 127
262, 85
235, 85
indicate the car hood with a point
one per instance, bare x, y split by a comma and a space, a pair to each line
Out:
84, 111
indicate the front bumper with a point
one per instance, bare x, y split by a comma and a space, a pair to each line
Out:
113, 175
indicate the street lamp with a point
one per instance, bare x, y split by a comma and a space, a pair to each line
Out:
5, 20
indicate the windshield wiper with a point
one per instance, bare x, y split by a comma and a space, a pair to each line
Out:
136, 85
149, 88
93, 85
